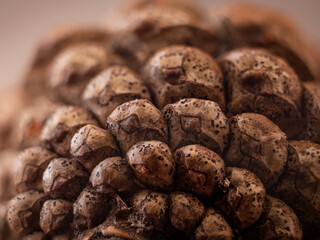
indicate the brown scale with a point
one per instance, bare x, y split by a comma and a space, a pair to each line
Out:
153, 164
299, 186
199, 170
242, 199
260, 82
258, 145
196, 121
136, 121
114, 173
32, 163
311, 112
73, 68
92, 144
183, 72
62, 125
64, 178
24, 211
277, 221
111, 88
56, 216
213, 226
256, 26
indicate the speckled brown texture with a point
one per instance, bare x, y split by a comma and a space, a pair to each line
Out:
53, 43
196, 121
260, 82
213, 226
55, 216
277, 221
153, 164
9, 163
262, 27
150, 210
311, 112
64, 178
185, 211
91, 144
114, 173
90, 209
136, 121
142, 33
30, 121
243, 197
111, 88
32, 163
24, 211
179, 72
199, 170
73, 68
299, 186
62, 125
258, 145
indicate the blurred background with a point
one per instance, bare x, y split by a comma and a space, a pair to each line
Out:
23, 23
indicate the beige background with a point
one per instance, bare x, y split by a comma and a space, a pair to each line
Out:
23, 22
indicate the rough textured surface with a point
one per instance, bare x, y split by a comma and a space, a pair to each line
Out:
136, 121
92, 144
24, 211
185, 211
257, 144
299, 186
199, 170
111, 88
243, 197
213, 226
179, 72
54, 43
32, 163
72, 69
150, 210
277, 221
114, 173
62, 125
196, 121
260, 27
90, 209
55, 216
260, 82
153, 164
64, 178
311, 112
146, 31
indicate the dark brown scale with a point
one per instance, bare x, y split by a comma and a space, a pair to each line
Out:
64, 178
259, 83
32, 163
199, 170
153, 164
92, 144
111, 88
242, 198
56, 216
170, 75
258, 145
136, 121
192, 121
